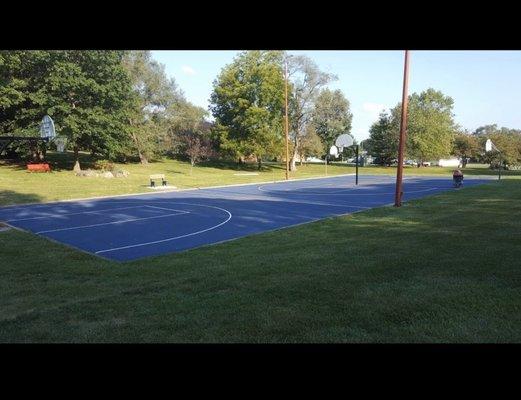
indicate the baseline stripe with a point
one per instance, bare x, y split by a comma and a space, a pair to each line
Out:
74, 213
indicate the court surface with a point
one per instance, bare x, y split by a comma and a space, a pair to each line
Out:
135, 226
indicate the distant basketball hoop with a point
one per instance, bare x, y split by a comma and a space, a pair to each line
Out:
60, 142
47, 130
344, 140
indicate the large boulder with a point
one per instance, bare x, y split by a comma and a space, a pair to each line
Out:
107, 174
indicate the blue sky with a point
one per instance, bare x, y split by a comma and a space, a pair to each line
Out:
485, 85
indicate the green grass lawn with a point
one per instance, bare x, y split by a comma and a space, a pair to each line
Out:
439, 269
19, 186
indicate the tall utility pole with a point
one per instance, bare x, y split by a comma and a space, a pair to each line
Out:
287, 124
403, 130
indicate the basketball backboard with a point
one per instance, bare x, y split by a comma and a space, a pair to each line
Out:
47, 130
488, 145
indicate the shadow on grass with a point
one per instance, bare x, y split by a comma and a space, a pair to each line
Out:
10, 197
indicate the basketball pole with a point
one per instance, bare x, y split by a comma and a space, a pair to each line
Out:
403, 130
357, 153
286, 111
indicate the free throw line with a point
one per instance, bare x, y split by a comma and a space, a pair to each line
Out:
111, 223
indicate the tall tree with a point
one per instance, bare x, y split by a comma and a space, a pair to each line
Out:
86, 93
154, 96
311, 144
331, 116
509, 144
430, 125
306, 81
383, 140
465, 146
190, 131
247, 103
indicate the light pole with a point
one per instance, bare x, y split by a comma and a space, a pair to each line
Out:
403, 131
286, 112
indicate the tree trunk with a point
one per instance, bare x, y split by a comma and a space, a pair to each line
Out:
142, 158
259, 163
292, 164
44, 152
77, 167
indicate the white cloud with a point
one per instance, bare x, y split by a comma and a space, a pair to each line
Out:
373, 108
188, 70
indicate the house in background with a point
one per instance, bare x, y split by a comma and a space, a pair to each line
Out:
450, 162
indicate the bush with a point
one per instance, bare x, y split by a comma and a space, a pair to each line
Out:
103, 165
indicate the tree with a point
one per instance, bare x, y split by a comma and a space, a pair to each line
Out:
509, 144
383, 140
331, 116
430, 125
247, 103
311, 144
154, 97
307, 81
191, 131
465, 146
86, 93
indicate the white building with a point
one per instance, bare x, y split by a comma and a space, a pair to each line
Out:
449, 162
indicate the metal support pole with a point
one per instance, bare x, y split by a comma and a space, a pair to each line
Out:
403, 129
325, 159
357, 152
287, 124
500, 165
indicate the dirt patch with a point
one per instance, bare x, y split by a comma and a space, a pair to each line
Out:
4, 227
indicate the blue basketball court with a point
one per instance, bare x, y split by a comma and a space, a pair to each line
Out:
135, 226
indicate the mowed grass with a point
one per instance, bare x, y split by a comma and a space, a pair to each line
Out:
441, 269
18, 186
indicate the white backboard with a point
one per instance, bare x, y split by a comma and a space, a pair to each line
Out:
344, 140
333, 151
488, 145
47, 128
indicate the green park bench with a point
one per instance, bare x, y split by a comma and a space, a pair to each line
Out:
157, 177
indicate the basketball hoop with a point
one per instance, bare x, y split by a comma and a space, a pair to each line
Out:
60, 142
344, 140
47, 130
489, 145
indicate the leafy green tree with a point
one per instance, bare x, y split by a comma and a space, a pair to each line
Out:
311, 144
509, 144
154, 98
383, 140
189, 133
331, 116
86, 93
430, 125
247, 102
465, 146
306, 82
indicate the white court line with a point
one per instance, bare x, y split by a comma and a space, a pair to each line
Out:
74, 213
110, 223
163, 208
173, 238
340, 194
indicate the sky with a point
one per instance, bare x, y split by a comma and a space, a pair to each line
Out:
485, 85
